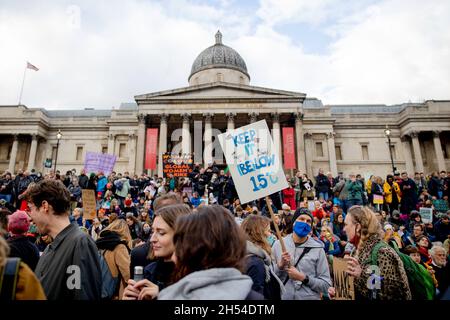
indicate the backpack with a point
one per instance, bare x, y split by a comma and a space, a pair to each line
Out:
420, 281
119, 185
8, 279
109, 283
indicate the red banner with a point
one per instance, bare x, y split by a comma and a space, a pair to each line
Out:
289, 148
150, 149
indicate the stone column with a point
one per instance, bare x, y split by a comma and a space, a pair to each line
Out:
140, 145
186, 134
332, 153
253, 117
407, 154
111, 143
12, 159
33, 150
132, 141
308, 154
276, 134
299, 135
207, 158
438, 150
230, 123
417, 154
162, 142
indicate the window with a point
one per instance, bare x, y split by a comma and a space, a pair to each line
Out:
365, 152
79, 153
122, 150
319, 149
338, 152
104, 149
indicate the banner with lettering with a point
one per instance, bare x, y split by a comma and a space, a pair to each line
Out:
95, 162
151, 147
253, 161
178, 165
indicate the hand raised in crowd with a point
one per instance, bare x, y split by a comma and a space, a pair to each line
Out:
294, 274
353, 267
285, 260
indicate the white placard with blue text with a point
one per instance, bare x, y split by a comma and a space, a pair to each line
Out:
253, 161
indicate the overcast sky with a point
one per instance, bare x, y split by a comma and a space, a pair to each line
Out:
104, 52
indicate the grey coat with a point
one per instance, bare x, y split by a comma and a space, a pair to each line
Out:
211, 284
314, 264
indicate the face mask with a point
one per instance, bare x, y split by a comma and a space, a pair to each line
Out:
271, 239
302, 229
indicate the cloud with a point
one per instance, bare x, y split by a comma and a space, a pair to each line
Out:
102, 53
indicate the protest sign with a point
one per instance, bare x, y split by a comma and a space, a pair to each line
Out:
343, 282
377, 199
311, 206
426, 214
48, 163
95, 162
253, 161
89, 204
440, 205
178, 165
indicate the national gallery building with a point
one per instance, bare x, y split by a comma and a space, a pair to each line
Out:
347, 138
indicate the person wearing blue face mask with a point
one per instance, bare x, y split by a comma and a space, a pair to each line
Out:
303, 268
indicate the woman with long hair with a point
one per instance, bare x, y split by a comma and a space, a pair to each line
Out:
209, 259
159, 272
259, 257
364, 232
115, 243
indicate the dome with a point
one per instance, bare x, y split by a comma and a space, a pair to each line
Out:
219, 56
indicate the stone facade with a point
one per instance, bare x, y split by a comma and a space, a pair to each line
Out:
347, 138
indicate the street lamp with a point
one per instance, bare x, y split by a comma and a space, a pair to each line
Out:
58, 137
388, 132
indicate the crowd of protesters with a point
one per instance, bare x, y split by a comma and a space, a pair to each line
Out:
191, 237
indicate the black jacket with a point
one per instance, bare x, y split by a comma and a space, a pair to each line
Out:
83, 181
322, 184
139, 257
8, 184
72, 254
21, 247
159, 272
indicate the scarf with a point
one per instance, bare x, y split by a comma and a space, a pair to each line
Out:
109, 240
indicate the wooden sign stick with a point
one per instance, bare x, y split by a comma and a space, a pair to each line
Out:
272, 215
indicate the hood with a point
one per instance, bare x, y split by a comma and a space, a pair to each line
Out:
109, 240
211, 284
257, 251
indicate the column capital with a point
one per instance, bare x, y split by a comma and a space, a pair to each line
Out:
404, 138
253, 116
298, 116
141, 118
163, 117
414, 134
275, 116
132, 135
15, 136
111, 136
436, 133
34, 136
331, 135
186, 117
308, 134
208, 116
231, 116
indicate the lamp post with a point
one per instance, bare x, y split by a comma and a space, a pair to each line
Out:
58, 137
388, 132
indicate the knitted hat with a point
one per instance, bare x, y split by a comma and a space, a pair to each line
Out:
18, 222
128, 202
302, 211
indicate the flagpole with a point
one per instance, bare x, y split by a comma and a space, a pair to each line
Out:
23, 82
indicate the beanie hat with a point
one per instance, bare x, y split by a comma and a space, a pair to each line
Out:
18, 222
128, 202
285, 207
302, 211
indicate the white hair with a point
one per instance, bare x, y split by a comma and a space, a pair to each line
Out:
435, 248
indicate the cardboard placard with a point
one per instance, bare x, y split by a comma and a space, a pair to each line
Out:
89, 204
343, 282
253, 161
377, 199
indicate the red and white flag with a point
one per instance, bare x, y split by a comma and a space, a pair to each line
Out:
30, 66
